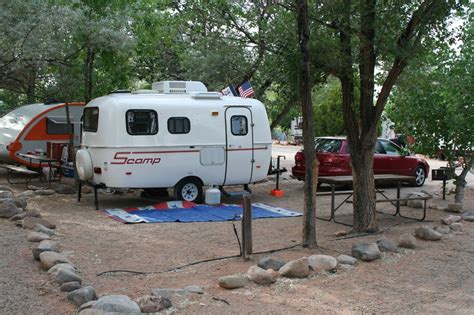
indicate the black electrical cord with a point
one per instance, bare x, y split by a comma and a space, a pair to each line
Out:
236, 234
192, 263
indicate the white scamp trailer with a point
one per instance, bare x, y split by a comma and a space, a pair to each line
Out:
176, 135
29, 128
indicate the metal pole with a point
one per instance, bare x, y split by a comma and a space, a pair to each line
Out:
247, 227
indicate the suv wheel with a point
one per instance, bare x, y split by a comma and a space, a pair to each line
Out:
420, 176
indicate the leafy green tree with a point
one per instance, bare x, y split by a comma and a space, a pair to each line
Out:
367, 34
32, 40
434, 101
327, 108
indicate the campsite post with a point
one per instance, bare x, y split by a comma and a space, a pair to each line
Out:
247, 227
71, 138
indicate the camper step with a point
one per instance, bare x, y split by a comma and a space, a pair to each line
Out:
235, 193
245, 192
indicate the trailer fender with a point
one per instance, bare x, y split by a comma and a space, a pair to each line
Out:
84, 165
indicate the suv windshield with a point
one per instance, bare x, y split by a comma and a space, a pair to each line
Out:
328, 145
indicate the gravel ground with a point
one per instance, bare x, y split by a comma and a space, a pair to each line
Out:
21, 283
436, 278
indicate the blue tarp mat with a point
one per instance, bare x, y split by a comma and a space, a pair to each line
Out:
190, 212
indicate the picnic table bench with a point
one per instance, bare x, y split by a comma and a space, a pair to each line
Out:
12, 169
334, 181
396, 203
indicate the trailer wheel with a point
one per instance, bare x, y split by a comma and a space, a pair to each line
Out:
189, 189
84, 165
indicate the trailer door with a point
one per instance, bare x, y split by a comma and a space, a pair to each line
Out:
239, 145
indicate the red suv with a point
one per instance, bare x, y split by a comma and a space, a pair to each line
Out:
334, 160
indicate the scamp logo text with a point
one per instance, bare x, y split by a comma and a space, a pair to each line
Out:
125, 158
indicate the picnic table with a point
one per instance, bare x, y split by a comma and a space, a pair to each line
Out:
335, 181
36, 161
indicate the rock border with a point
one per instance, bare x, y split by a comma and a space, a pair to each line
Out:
266, 272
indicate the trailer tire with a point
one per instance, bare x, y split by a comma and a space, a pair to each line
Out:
84, 165
189, 189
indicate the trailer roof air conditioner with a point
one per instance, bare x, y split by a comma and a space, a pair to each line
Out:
178, 87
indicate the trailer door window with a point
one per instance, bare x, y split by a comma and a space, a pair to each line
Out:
57, 126
239, 125
179, 125
91, 119
142, 122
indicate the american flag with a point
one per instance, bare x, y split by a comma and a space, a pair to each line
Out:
245, 89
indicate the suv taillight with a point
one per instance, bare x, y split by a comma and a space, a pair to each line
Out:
331, 159
299, 159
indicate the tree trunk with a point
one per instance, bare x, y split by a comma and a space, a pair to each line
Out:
361, 127
312, 164
460, 182
364, 188
30, 93
88, 71
30, 89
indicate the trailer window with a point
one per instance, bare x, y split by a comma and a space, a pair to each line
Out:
179, 125
57, 126
239, 125
91, 119
142, 122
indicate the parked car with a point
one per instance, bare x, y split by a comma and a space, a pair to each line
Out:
334, 160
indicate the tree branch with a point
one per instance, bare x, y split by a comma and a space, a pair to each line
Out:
419, 19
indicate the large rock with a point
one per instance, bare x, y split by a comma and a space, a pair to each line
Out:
27, 213
63, 273
298, 268
468, 216
70, 286
346, 260
20, 202
233, 281
49, 259
456, 227
366, 252
270, 263
260, 276
407, 241
321, 263
44, 192
444, 229
6, 193
116, 303
53, 270
427, 233
43, 229
455, 207
9, 209
65, 189
30, 222
153, 304
45, 246
386, 245
451, 219
82, 295
27, 193
36, 237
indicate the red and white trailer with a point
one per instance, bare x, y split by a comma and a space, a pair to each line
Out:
29, 129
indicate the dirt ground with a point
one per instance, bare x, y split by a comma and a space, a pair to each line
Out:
436, 278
